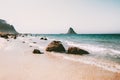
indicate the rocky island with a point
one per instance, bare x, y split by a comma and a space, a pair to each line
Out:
71, 31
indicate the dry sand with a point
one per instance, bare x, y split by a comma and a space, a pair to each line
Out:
18, 63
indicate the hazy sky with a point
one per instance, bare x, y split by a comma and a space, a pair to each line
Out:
56, 16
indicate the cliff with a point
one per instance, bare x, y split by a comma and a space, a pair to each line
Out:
6, 28
71, 31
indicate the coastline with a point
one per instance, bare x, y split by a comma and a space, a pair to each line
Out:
19, 63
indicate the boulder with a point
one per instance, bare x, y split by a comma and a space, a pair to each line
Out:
76, 50
41, 38
55, 46
36, 51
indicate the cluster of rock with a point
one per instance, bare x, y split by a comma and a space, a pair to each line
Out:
56, 46
7, 36
43, 38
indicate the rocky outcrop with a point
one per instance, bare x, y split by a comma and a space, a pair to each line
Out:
55, 46
76, 50
71, 31
6, 28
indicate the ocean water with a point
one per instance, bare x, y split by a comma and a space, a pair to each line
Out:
99, 45
104, 49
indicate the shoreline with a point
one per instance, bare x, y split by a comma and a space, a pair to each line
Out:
19, 63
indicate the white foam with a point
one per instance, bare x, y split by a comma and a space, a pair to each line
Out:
95, 49
86, 46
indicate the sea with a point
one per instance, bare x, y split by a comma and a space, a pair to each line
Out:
104, 49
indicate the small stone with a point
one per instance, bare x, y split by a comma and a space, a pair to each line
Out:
36, 51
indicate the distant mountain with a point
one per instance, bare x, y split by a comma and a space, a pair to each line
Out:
6, 28
71, 31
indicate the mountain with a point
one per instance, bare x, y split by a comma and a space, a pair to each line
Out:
71, 31
6, 28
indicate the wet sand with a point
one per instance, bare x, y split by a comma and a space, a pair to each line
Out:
17, 62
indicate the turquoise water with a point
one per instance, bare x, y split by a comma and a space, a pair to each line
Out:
103, 46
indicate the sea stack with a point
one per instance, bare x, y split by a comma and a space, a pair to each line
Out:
71, 31
6, 28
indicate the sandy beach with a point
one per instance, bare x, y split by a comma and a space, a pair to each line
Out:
17, 62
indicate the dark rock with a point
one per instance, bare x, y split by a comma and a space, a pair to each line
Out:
4, 36
43, 38
76, 50
55, 46
15, 36
71, 31
36, 51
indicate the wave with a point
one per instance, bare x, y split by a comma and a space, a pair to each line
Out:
95, 48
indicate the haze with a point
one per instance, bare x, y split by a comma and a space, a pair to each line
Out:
56, 16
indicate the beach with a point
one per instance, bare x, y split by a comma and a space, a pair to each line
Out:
17, 62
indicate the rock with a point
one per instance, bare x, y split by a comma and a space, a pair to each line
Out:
55, 46
15, 37
43, 38
4, 36
23, 36
23, 42
76, 50
71, 31
36, 51
34, 42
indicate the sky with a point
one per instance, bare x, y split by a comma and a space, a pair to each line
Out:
56, 16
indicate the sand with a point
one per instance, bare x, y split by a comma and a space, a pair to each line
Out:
17, 62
